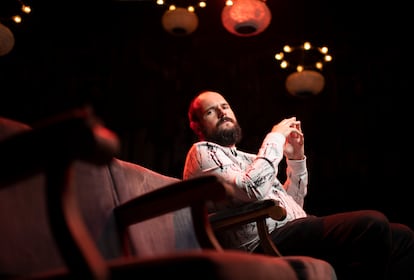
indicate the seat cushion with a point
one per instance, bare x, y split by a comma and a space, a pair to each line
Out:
207, 265
227, 265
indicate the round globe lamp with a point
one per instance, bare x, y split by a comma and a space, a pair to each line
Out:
6, 40
305, 83
246, 17
179, 22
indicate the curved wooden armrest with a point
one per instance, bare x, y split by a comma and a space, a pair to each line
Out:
194, 193
247, 213
257, 211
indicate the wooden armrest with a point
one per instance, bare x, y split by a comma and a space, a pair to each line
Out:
257, 211
247, 213
194, 193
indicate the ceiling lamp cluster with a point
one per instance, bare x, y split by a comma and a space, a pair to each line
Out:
245, 17
308, 62
180, 19
239, 17
6, 35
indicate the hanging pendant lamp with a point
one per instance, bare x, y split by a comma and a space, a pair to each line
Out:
179, 21
246, 17
6, 40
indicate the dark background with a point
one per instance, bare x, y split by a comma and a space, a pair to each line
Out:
115, 56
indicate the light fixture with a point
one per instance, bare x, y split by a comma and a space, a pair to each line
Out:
308, 62
180, 21
6, 35
305, 82
245, 17
6, 40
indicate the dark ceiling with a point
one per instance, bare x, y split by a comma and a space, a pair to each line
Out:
116, 56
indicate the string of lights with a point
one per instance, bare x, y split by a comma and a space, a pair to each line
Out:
189, 5
16, 13
302, 57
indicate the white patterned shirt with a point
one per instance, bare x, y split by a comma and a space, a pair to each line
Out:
255, 178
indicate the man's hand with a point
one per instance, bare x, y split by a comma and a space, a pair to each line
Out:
294, 146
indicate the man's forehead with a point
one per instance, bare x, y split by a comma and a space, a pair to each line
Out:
210, 99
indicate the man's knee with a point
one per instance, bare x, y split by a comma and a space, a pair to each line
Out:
373, 221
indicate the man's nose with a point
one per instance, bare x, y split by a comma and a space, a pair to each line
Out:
220, 113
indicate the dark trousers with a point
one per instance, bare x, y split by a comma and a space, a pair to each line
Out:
359, 244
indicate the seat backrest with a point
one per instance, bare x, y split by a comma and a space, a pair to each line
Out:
167, 233
26, 242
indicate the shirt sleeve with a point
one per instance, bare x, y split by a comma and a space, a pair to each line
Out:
296, 180
254, 178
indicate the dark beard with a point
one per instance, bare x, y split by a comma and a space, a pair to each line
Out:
225, 137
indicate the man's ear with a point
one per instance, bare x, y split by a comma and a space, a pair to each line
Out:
195, 127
